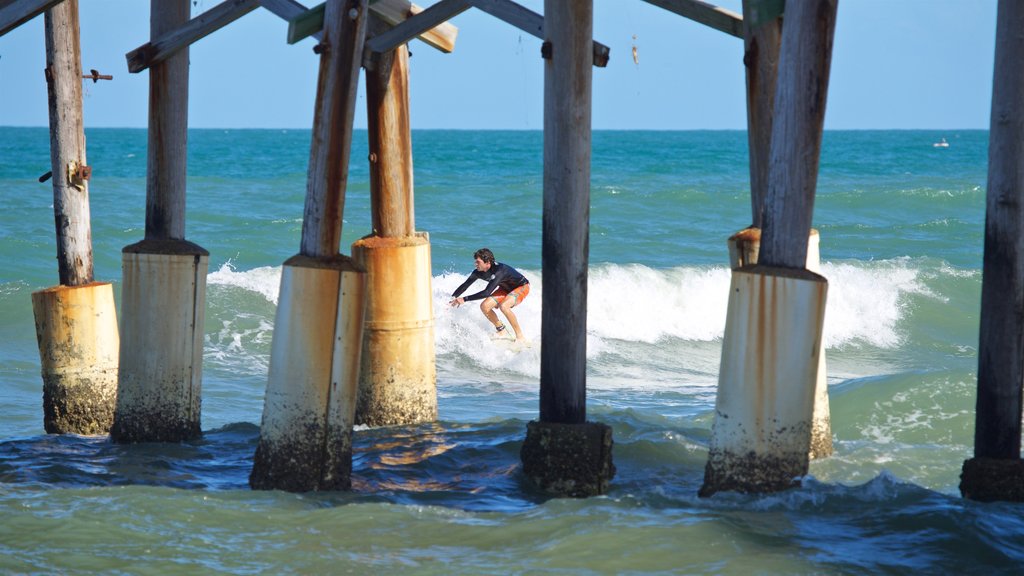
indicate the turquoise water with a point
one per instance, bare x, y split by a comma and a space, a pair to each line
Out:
901, 242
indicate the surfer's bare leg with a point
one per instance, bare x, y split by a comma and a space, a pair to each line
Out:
506, 309
487, 307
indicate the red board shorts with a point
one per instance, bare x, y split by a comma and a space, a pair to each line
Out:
519, 294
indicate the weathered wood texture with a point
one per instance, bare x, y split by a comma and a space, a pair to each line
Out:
707, 14
997, 432
390, 141
532, 23
159, 49
14, 14
804, 61
168, 129
344, 35
394, 12
762, 38
568, 84
289, 10
426, 20
67, 145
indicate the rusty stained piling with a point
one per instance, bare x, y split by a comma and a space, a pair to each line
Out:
743, 250
306, 432
398, 375
563, 454
996, 472
163, 300
76, 322
761, 435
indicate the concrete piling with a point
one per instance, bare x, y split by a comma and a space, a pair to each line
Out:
398, 378
760, 438
306, 432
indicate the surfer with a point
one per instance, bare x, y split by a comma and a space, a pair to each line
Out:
506, 288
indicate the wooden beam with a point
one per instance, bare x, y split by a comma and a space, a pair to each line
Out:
568, 85
331, 143
289, 10
67, 145
532, 23
707, 14
167, 148
761, 60
206, 23
14, 14
805, 59
431, 17
997, 432
394, 12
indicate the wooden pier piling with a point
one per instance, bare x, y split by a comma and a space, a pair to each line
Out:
163, 299
996, 472
76, 321
761, 436
563, 454
398, 374
306, 433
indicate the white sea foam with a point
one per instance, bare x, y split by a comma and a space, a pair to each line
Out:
639, 305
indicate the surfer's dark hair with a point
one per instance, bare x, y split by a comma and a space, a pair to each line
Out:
484, 254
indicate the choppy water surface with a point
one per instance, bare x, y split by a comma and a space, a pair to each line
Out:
901, 240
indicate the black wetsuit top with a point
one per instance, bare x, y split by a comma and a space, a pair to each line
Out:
499, 276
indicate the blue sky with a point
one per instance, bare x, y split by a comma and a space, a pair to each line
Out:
903, 64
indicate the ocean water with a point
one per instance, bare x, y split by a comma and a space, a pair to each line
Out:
901, 226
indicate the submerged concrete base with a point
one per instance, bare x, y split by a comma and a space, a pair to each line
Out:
760, 438
568, 459
163, 308
744, 247
993, 480
398, 374
76, 328
306, 433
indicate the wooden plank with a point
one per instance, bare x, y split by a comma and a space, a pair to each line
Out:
332, 127
805, 58
761, 59
390, 141
174, 40
430, 18
568, 84
14, 14
997, 432
707, 14
306, 24
288, 10
168, 128
532, 23
67, 145
394, 12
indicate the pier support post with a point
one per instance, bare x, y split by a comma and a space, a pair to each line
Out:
163, 299
306, 435
398, 378
563, 454
761, 436
76, 322
996, 472
398, 375
743, 250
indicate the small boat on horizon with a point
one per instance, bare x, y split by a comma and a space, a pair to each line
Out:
941, 144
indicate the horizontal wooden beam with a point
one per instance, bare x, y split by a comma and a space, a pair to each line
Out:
707, 14
14, 14
206, 23
413, 27
394, 12
288, 10
530, 22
